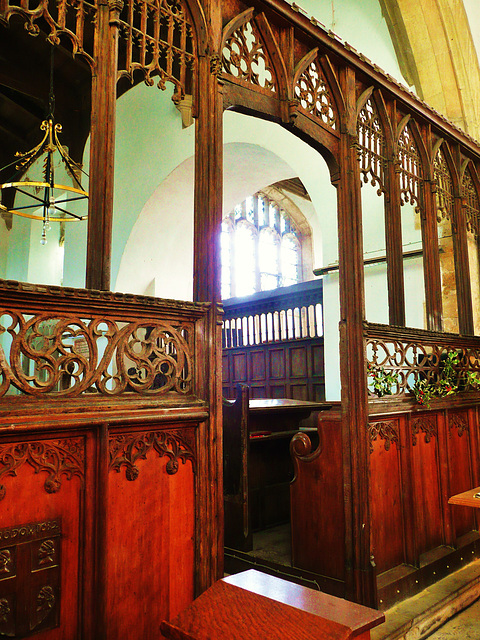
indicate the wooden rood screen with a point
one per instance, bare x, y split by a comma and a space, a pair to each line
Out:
273, 342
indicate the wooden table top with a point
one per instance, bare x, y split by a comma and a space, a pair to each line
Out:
467, 498
265, 405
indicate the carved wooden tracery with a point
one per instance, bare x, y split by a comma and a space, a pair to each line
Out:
63, 19
157, 39
313, 93
410, 169
245, 57
371, 142
412, 358
56, 457
67, 356
444, 188
471, 203
126, 450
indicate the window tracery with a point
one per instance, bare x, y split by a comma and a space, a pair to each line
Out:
260, 248
314, 96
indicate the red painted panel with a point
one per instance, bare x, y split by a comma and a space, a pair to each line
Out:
150, 538
427, 492
460, 471
26, 501
317, 507
386, 506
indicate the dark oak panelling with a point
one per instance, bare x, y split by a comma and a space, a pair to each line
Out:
291, 369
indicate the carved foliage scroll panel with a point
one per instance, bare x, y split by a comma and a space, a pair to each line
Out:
157, 40
44, 483
460, 476
151, 544
386, 499
245, 58
70, 355
426, 470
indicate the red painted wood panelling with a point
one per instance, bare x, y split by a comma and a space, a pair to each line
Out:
460, 468
386, 500
27, 501
428, 509
317, 506
150, 564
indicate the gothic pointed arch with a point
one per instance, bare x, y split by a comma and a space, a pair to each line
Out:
316, 89
251, 55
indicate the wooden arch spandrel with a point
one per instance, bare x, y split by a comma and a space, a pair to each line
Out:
317, 92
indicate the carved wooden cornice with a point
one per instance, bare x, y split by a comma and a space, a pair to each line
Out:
386, 430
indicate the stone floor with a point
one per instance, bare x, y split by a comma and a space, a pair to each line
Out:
464, 626
443, 611
448, 610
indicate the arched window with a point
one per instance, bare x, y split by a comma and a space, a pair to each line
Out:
260, 248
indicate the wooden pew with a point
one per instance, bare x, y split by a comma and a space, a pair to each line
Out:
257, 606
238, 532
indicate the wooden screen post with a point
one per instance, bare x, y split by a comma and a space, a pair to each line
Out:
102, 147
361, 581
206, 288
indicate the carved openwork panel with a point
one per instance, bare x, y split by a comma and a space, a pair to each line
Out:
471, 204
72, 20
127, 449
68, 356
314, 95
56, 458
157, 39
371, 141
386, 430
411, 359
410, 169
245, 57
444, 188
29, 578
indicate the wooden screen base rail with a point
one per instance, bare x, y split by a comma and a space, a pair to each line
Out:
256, 606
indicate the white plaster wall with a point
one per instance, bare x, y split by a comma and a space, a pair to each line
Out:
361, 24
